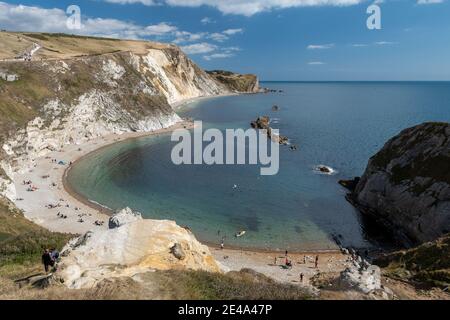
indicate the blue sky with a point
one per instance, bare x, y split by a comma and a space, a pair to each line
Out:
276, 39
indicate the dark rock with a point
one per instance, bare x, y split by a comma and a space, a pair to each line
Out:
261, 123
350, 184
406, 185
178, 251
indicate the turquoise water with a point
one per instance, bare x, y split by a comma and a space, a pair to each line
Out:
337, 124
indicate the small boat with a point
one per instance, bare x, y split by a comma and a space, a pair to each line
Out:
240, 234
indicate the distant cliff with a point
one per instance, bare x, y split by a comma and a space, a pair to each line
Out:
77, 88
406, 186
236, 82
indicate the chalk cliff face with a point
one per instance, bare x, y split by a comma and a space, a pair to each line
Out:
406, 186
66, 101
136, 246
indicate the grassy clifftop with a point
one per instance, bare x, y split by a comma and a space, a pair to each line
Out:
428, 263
64, 46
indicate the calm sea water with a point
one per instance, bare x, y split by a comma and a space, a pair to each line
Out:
337, 124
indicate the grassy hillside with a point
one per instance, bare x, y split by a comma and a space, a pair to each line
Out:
22, 242
427, 264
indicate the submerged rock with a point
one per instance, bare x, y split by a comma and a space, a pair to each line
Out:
406, 185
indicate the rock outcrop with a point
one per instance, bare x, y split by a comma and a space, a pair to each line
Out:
237, 82
135, 247
122, 217
263, 123
406, 186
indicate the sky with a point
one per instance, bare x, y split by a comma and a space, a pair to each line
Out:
306, 40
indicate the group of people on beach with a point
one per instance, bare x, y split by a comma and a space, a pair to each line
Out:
30, 185
49, 258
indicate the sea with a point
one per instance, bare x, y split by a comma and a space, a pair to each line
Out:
335, 124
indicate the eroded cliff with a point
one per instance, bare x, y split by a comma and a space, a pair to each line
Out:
79, 88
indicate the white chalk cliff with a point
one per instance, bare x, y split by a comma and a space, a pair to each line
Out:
92, 96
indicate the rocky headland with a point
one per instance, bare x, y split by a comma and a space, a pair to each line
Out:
406, 186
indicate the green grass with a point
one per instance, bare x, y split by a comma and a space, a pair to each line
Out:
427, 264
45, 36
246, 284
22, 242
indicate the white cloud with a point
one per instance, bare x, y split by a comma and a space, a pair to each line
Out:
230, 49
29, 18
218, 56
384, 43
207, 20
316, 63
198, 48
245, 7
145, 2
185, 36
219, 37
224, 35
420, 2
320, 46
359, 45
231, 32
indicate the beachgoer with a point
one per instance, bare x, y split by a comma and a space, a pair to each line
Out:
316, 261
304, 259
301, 277
222, 244
275, 261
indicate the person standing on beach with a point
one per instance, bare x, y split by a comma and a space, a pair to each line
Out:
301, 277
275, 261
316, 262
222, 244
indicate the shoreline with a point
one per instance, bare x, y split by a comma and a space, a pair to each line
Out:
81, 213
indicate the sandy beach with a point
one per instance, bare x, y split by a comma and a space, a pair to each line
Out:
54, 206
